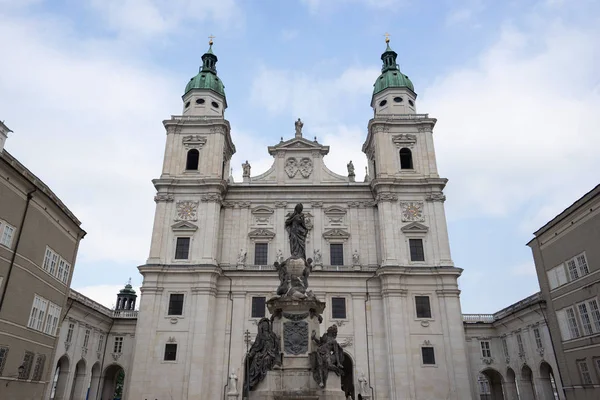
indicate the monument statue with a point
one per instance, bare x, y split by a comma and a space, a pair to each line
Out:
246, 169
299, 126
233, 382
350, 168
295, 224
264, 353
329, 356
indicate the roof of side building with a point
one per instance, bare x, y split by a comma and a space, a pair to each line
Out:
567, 211
39, 185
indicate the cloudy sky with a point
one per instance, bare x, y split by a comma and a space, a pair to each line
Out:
85, 84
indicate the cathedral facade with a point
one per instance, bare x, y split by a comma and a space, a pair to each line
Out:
380, 252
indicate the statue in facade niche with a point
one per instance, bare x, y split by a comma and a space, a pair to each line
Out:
264, 354
246, 169
279, 256
329, 356
242, 257
317, 256
233, 382
363, 385
355, 258
295, 224
299, 126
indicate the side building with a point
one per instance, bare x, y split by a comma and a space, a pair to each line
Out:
566, 252
510, 353
39, 239
95, 348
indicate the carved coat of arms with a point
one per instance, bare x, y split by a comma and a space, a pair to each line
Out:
295, 337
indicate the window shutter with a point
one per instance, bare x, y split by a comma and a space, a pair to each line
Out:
563, 325
552, 278
561, 275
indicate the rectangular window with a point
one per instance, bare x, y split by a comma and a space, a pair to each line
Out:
7, 235
573, 272
86, 339
52, 319
182, 249
67, 273
171, 352
38, 312
3, 357
561, 275
338, 307
53, 264
538, 338
423, 306
428, 355
47, 259
261, 251
486, 352
258, 307
61, 269
520, 344
100, 343
582, 264
586, 323
586, 377
596, 361
70, 332
176, 304
595, 314
38, 370
416, 250
27, 364
336, 251
505, 347
118, 346
572, 323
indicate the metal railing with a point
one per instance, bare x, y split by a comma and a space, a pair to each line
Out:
125, 314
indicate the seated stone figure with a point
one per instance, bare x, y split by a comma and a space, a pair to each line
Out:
264, 354
329, 356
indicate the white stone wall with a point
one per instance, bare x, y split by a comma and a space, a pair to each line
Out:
506, 326
85, 314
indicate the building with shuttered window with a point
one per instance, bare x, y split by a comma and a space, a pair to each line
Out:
567, 258
39, 239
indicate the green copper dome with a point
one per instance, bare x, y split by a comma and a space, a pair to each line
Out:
128, 289
207, 76
391, 77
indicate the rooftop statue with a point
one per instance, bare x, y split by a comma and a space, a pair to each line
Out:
299, 124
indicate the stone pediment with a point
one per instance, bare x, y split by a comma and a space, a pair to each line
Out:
184, 226
261, 234
298, 144
336, 234
415, 227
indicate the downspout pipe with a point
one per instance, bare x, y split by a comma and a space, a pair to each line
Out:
14, 254
367, 332
230, 336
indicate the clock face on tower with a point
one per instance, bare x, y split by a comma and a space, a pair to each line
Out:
412, 211
187, 210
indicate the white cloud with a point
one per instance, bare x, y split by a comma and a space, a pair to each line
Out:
520, 128
157, 17
289, 34
81, 123
318, 5
315, 99
106, 294
464, 11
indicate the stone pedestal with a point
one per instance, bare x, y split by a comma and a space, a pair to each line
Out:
294, 321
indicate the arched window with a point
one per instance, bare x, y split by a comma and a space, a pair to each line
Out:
192, 160
406, 161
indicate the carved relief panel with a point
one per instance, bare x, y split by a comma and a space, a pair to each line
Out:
262, 216
335, 217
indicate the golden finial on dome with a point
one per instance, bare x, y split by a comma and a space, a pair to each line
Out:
387, 37
210, 39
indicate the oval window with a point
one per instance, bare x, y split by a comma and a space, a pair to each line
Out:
398, 99
215, 104
199, 101
412, 104
382, 103
187, 104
